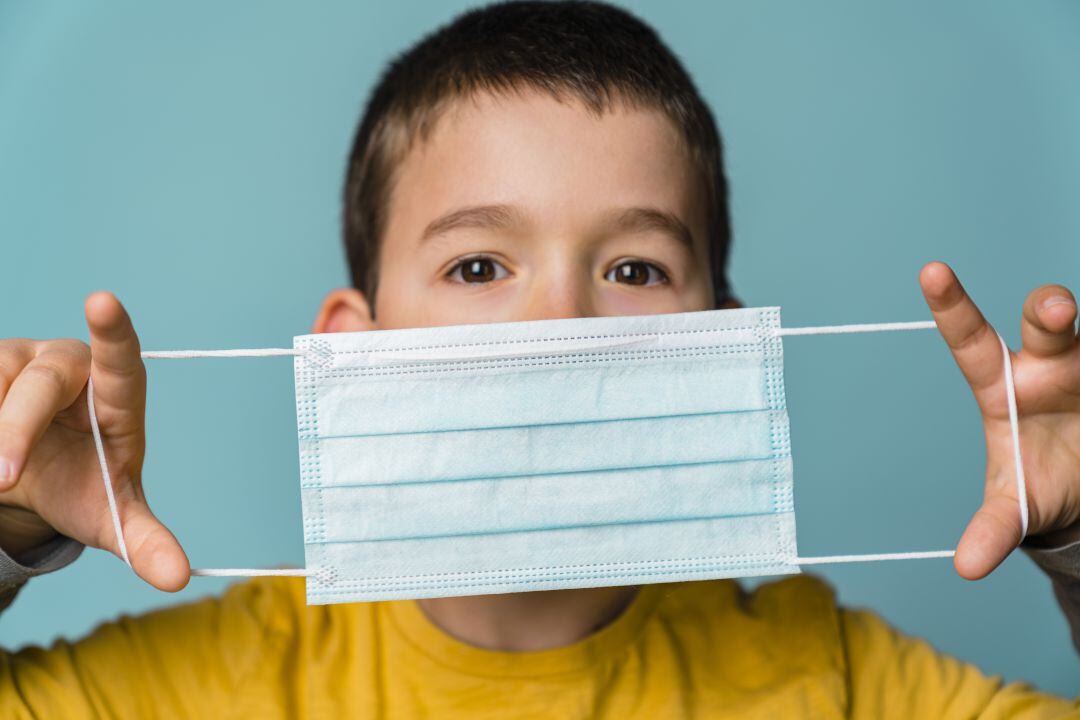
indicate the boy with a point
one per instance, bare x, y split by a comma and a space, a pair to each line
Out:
527, 161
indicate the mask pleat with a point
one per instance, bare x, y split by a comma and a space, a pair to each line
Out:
612, 388
568, 557
546, 502
545, 449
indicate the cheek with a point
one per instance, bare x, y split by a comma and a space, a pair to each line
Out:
691, 297
617, 301
402, 298
418, 301
455, 305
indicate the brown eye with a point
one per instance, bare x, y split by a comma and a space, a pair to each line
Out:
477, 270
636, 272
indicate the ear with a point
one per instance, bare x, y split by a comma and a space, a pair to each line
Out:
344, 310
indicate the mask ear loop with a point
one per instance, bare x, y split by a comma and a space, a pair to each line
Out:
106, 477
1014, 425
100, 447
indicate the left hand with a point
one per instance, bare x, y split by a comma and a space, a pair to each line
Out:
1046, 373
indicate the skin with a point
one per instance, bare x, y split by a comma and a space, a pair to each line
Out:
575, 205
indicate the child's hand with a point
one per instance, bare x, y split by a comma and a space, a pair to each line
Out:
1047, 379
50, 480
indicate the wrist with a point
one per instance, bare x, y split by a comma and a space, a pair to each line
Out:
22, 531
1055, 538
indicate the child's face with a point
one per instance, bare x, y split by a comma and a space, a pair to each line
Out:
521, 208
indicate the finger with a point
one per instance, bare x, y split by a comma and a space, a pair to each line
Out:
155, 553
117, 368
1047, 326
15, 354
49, 383
992, 534
973, 341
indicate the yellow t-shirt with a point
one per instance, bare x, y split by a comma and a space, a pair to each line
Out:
693, 650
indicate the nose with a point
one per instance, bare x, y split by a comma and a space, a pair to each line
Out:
560, 293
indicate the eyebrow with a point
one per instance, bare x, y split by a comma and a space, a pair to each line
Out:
640, 220
501, 217
486, 217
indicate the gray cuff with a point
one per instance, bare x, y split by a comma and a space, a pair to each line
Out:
57, 553
1062, 564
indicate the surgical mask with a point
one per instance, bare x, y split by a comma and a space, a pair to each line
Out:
542, 455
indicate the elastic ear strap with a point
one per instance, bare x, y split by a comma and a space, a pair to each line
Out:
107, 478
99, 446
1014, 425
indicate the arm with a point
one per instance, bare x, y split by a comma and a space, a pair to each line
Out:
891, 675
1062, 564
53, 555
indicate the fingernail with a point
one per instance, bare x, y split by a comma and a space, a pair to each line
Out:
7, 471
1056, 300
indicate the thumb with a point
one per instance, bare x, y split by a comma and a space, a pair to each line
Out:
154, 552
992, 534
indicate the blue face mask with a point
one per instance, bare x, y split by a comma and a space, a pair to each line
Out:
543, 455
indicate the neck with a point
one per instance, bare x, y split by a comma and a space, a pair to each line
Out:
523, 622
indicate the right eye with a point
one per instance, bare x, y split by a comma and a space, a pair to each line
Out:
477, 270
636, 272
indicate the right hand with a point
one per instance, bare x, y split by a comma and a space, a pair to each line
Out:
53, 482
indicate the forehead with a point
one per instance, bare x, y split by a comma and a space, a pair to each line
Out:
557, 159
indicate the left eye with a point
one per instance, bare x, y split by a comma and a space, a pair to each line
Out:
477, 270
636, 272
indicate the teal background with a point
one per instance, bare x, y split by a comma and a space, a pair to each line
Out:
188, 156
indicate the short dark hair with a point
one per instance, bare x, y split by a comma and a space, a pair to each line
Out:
591, 51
